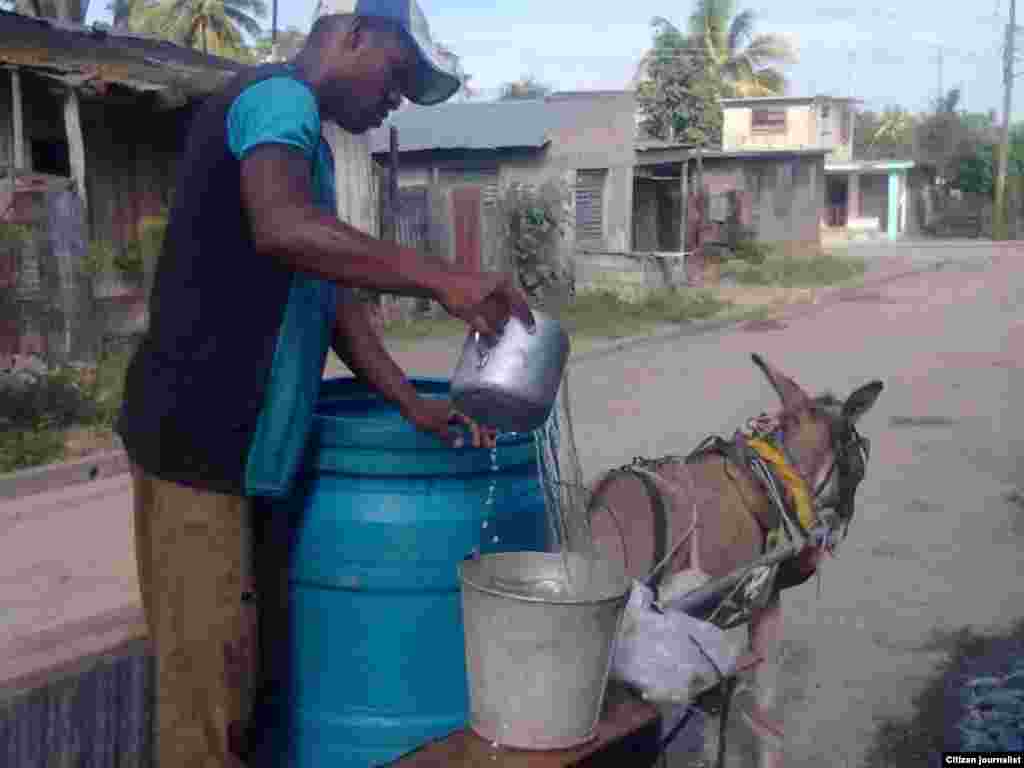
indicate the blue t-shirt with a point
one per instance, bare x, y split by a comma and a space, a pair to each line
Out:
282, 110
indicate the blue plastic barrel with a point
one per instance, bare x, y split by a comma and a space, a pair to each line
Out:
379, 522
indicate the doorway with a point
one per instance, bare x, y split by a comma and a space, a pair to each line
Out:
837, 201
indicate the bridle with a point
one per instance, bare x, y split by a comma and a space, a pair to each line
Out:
850, 454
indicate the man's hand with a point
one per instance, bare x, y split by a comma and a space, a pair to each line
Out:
484, 300
438, 417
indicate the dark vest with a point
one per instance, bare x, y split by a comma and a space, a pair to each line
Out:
198, 380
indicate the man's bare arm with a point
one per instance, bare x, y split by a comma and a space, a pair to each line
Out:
357, 343
288, 226
359, 346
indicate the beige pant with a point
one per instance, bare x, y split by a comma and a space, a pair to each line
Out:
195, 558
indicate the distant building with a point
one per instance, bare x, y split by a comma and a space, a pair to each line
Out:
869, 198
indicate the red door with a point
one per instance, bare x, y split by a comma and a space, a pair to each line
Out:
466, 214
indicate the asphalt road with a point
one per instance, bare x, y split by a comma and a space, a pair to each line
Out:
936, 543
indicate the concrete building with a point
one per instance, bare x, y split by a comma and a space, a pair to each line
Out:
862, 198
627, 210
456, 158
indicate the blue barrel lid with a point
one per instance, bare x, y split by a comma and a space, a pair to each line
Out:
356, 431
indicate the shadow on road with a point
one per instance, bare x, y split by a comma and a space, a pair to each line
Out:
975, 701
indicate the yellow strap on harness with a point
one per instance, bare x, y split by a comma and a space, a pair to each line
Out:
795, 485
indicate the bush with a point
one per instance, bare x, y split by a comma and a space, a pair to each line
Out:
604, 313
752, 251
24, 448
54, 400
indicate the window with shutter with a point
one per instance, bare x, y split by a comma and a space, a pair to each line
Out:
768, 120
590, 205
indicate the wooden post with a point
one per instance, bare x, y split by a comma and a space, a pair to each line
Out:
76, 144
702, 208
18, 121
700, 171
684, 188
393, 187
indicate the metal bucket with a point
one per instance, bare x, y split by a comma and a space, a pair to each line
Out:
538, 653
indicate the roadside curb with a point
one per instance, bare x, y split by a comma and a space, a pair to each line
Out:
54, 477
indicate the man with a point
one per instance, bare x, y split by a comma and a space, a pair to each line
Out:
254, 284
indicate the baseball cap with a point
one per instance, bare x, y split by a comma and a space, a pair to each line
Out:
433, 79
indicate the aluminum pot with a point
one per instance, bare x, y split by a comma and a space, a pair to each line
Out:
511, 383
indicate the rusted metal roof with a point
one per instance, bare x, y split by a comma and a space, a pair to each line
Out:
92, 56
491, 125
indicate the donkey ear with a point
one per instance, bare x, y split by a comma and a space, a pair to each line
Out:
788, 390
861, 401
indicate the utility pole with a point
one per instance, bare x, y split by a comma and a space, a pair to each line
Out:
999, 214
273, 34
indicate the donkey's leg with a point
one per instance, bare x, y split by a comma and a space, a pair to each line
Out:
765, 716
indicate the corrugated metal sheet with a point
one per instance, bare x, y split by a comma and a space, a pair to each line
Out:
100, 717
484, 125
79, 54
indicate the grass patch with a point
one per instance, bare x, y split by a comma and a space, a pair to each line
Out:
795, 272
605, 314
599, 314
24, 448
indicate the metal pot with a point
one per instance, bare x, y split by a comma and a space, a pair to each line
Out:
511, 383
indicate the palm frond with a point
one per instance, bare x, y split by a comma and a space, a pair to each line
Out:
243, 21
741, 30
770, 49
254, 8
226, 33
770, 82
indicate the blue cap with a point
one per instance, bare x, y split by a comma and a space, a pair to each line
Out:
433, 80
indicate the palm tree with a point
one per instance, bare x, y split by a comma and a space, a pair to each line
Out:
747, 64
213, 26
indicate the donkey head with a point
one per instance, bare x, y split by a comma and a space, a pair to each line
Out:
820, 437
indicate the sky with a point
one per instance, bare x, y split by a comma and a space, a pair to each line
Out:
883, 55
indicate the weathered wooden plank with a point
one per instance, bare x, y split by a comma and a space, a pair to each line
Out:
76, 144
18, 116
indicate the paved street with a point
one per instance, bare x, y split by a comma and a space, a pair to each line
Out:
936, 544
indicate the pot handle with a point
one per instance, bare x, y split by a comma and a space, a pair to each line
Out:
484, 354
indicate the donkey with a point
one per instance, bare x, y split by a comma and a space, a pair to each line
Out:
720, 512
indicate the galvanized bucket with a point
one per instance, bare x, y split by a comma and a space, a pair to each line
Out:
538, 652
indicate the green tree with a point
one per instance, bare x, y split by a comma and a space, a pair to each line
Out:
676, 94
747, 64
527, 87
213, 26
973, 168
885, 136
